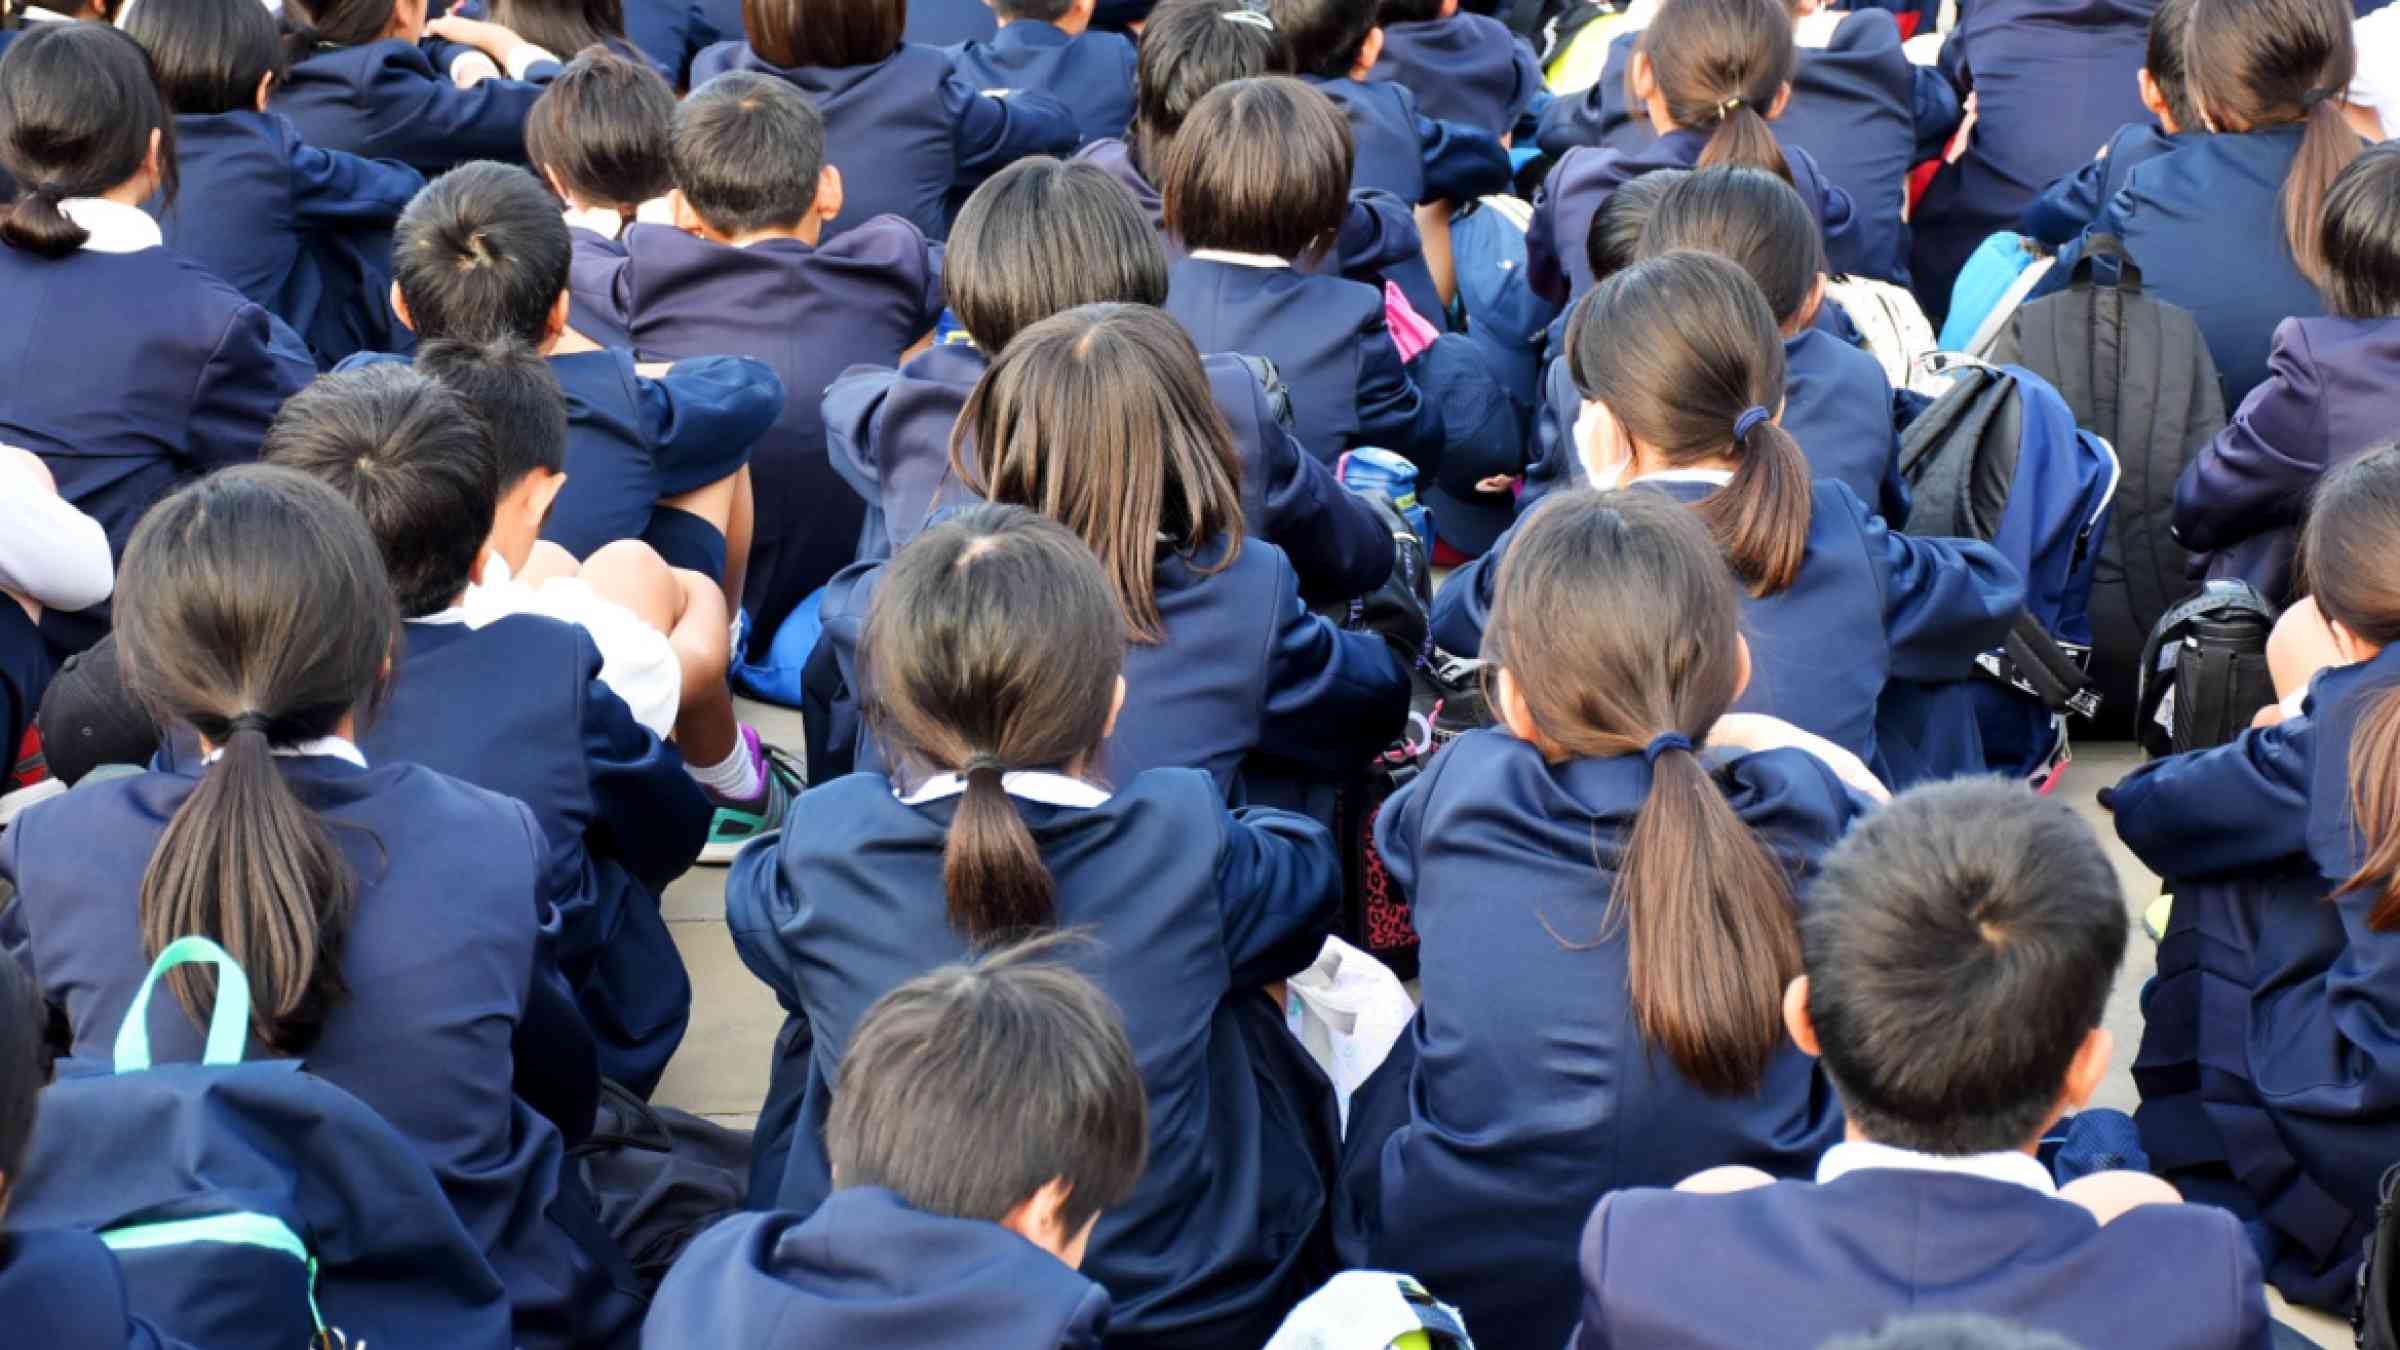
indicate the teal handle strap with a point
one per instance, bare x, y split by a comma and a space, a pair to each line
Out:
228, 1026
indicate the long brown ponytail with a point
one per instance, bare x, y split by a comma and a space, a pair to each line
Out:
252, 607
1721, 66
992, 646
2346, 551
1615, 618
1685, 353
2258, 63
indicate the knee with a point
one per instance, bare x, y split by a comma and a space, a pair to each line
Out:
1724, 1180
2110, 1194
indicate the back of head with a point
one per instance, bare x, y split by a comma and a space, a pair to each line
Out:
1409, 11
563, 25
481, 253
1720, 66
1101, 419
1752, 219
253, 608
310, 26
1615, 242
1039, 11
601, 130
1326, 35
413, 461
992, 645
2346, 551
211, 56
23, 1024
747, 151
1260, 166
833, 34
515, 394
1188, 48
2164, 60
1013, 1062
1960, 945
78, 110
1617, 624
1042, 236
2360, 237
2253, 64
1684, 351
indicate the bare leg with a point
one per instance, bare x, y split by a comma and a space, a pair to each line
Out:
547, 562
705, 726
727, 504
2300, 646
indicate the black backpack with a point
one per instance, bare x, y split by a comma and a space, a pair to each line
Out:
2372, 1315
2138, 374
2209, 654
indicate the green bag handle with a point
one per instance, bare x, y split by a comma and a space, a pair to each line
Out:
228, 1026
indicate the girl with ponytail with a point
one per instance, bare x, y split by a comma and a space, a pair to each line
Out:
361, 80
992, 654
1607, 905
1681, 368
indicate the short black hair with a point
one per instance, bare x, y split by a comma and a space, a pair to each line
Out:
1960, 945
1041, 237
515, 394
1014, 1062
747, 151
482, 254
1326, 35
23, 1023
1750, 218
1188, 48
78, 102
1040, 11
1411, 11
828, 33
209, 55
2362, 237
2164, 61
602, 127
1952, 1333
1615, 242
1260, 166
413, 458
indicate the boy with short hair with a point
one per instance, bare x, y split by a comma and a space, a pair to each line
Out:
1047, 47
985, 1115
1336, 45
1958, 950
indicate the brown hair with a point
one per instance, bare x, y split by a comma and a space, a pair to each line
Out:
829, 33
1101, 419
1259, 166
1615, 617
2260, 63
1040, 237
1188, 48
992, 644
1720, 66
1683, 349
2346, 552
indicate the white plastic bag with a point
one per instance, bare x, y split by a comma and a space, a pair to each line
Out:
1347, 1009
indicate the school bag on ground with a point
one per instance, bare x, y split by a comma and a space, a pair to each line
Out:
1998, 457
659, 1177
253, 1204
2137, 372
2204, 670
1894, 329
2375, 1314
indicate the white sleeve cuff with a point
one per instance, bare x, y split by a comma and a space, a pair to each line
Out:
525, 57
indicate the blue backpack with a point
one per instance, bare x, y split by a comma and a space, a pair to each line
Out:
253, 1204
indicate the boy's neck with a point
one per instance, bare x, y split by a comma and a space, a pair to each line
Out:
1072, 24
1851, 1134
808, 232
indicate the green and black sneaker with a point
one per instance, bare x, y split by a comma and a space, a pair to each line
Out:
738, 822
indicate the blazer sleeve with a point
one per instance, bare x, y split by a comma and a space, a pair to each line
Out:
1546, 273
989, 134
2256, 474
652, 813
1463, 605
1462, 163
333, 187
1591, 1331
1944, 600
1573, 121
1846, 243
703, 416
761, 900
1379, 232
1393, 412
2067, 206
1338, 547
1332, 698
433, 124
850, 406
1936, 109
2236, 807
1279, 881
600, 277
257, 364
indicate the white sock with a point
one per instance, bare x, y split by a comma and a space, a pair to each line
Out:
734, 780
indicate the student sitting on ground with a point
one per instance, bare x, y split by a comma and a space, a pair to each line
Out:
2071, 203
1335, 44
599, 136
51, 557
361, 81
1047, 47
1957, 954
1463, 67
1022, 1067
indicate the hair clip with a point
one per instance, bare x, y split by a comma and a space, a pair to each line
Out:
1725, 109
1249, 18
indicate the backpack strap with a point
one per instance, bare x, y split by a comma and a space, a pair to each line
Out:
2222, 593
2129, 273
228, 1025
2035, 662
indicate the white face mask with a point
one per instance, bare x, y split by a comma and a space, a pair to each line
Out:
1601, 465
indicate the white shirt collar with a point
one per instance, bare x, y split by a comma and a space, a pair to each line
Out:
605, 222
34, 14
1712, 477
1050, 789
1226, 255
1861, 1155
114, 227
334, 746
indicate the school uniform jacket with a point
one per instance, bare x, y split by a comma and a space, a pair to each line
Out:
1815, 1262
911, 138
1466, 70
439, 958
1190, 909
808, 312
2332, 390
942, 23
386, 100
672, 33
867, 1270
1523, 1091
889, 435
1414, 157
303, 231
1091, 74
1869, 605
2068, 206
60, 1287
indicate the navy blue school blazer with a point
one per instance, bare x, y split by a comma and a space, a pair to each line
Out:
1190, 909
808, 312
911, 138
303, 231
1862, 110
867, 1270
2067, 207
1466, 70
61, 1287
1870, 605
889, 434
2181, 215
385, 100
1523, 1091
621, 815
943, 23
131, 374
673, 33
439, 959
2332, 390
1328, 339
1414, 157
1816, 1263
1090, 73
2052, 80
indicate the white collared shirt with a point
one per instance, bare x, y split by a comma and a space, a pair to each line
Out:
605, 222
114, 227
1712, 477
1226, 255
637, 662
1050, 789
335, 747
1861, 1155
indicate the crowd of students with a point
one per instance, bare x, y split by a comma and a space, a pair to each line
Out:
417, 426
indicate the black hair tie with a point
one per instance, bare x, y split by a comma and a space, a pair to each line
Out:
248, 721
2310, 100
984, 763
